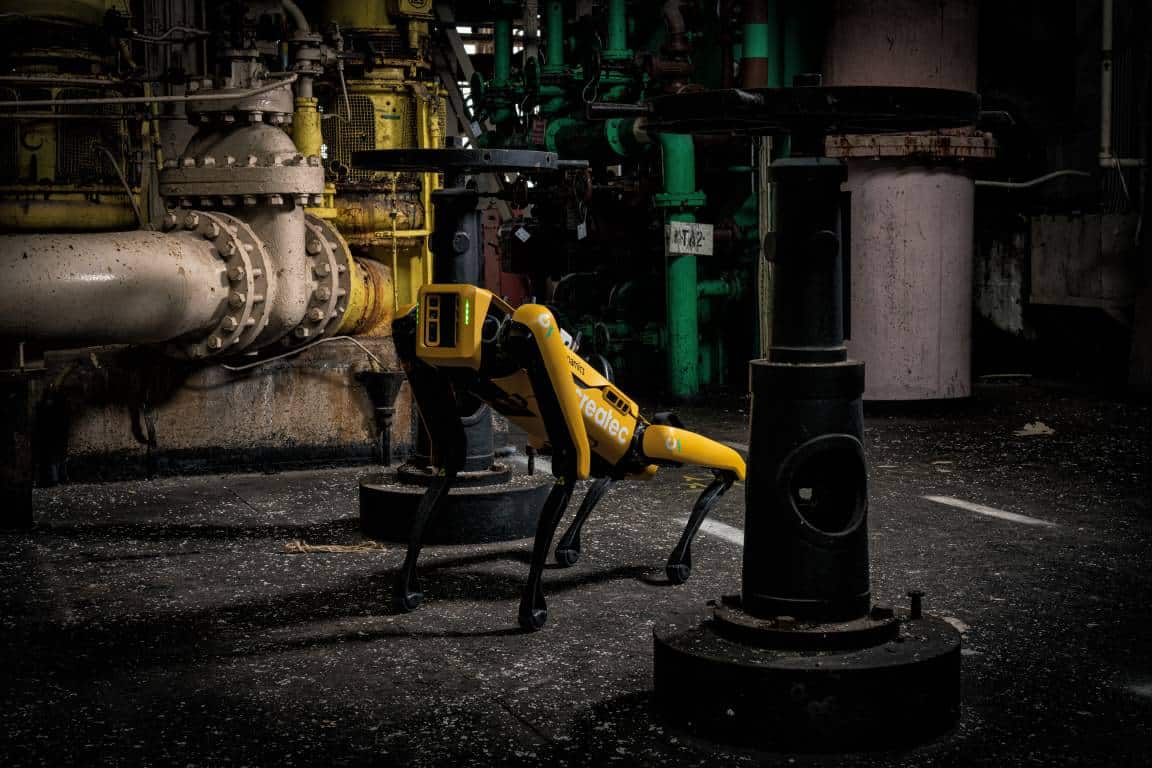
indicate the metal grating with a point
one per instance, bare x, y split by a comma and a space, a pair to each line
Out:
79, 158
390, 46
345, 135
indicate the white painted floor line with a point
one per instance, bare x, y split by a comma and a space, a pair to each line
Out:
720, 530
1142, 690
980, 509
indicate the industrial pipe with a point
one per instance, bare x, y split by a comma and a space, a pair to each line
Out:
115, 288
617, 27
299, 20
1107, 160
760, 40
682, 312
991, 183
501, 51
554, 34
280, 82
1106, 81
675, 28
369, 310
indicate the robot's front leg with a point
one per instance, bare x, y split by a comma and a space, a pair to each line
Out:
533, 608
436, 402
407, 590
568, 550
680, 561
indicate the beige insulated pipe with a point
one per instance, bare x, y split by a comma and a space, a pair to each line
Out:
115, 288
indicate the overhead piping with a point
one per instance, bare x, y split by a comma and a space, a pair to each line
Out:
1031, 182
280, 82
297, 15
1107, 160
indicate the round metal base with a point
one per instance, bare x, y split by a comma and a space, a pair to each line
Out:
472, 514
898, 692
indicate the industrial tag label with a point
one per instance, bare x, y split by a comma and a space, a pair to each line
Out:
581, 231
685, 237
522, 234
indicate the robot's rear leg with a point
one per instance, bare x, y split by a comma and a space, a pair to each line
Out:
680, 561
568, 550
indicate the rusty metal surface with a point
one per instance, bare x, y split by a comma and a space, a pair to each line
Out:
939, 146
117, 412
252, 160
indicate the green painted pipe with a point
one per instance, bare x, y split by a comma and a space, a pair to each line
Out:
721, 288
617, 26
554, 34
759, 63
683, 321
573, 137
502, 52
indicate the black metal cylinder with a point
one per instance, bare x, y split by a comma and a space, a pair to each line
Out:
457, 253
806, 537
458, 257
480, 455
808, 308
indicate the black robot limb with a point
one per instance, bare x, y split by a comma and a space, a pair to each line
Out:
568, 549
533, 611
679, 566
436, 401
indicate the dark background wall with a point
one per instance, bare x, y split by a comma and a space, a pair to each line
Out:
1060, 268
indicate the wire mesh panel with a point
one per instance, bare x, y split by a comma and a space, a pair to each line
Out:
351, 129
79, 156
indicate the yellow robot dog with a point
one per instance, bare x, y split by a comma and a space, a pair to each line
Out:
460, 341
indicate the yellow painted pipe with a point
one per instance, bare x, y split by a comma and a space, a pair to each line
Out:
424, 140
369, 310
53, 210
306, 131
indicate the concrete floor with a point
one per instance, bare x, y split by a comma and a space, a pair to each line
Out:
168, 622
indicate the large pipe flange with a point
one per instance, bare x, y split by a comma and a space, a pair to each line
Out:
329, 262
245, 269
223, 180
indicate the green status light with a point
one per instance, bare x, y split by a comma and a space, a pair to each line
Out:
467, 312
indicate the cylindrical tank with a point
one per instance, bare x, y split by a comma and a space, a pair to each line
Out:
911, 256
